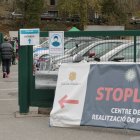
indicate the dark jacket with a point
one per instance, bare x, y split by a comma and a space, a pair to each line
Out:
6, 50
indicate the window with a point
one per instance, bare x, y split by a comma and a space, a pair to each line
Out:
128, 53
52, 2
103, 48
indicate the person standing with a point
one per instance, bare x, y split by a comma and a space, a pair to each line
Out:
13, 43
6, 50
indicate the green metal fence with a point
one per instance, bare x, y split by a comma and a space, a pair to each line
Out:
29, 95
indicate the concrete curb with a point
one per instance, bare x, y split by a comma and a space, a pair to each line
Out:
30, 114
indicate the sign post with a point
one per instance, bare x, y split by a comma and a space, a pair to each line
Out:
28, 37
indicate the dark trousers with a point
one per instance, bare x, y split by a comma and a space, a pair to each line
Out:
6, 63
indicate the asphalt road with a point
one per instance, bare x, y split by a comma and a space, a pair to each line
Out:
37, 128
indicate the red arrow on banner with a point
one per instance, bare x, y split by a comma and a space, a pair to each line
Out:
63, 100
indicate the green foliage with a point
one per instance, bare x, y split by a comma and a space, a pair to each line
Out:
83, 13
54, 26
68, 8
94, 4
32, 10
113, 12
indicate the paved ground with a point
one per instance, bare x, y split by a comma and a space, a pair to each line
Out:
37, 128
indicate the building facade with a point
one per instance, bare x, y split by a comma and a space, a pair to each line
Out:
52, 7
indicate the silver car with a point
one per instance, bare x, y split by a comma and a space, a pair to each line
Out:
72, 47
123, 53
90, 51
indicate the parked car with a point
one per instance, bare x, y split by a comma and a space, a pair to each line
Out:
135, 20
89, 52
98, 48
43, 63
17, 14
45, 44
37, 54
71, 42
123, 53
47, 16
72, 46
44, 58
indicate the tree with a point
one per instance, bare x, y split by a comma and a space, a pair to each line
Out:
83, 13
68, 8
113, 12
94, 4
32, 10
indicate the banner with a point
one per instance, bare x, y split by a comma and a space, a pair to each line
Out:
107, 96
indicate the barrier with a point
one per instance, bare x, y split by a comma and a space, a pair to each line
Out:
98, 94
46, 80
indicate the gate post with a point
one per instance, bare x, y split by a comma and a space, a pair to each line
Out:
135, 48
23, 79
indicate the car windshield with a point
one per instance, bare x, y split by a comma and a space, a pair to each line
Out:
81, 47
103, 48
127, 53
46, 56
70, 44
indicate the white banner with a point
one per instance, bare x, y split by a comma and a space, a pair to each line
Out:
98, 94
68, 105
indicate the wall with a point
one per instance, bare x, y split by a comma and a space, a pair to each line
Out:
103, 28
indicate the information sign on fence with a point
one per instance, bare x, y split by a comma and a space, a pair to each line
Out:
29, 37
56, 43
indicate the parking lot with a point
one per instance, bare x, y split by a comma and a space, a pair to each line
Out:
37, 127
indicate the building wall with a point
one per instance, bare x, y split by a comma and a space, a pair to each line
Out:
52, 9
11, 1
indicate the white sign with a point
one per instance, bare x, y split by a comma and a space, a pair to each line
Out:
56, 43
70, 94
29, 37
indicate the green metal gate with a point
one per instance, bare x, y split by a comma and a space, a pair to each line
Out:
28, 95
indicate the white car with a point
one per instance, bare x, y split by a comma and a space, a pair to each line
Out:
38, 54
70, 43
98, 48
17, 14
123, 53
45, 44
89, 52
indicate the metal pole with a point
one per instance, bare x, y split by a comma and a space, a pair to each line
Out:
135, 48
23, 80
